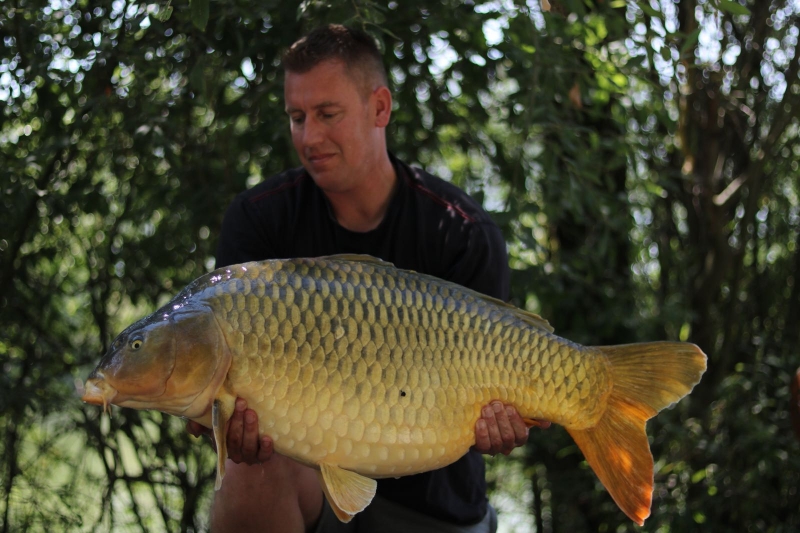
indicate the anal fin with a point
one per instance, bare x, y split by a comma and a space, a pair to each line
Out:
536, 423
348, 493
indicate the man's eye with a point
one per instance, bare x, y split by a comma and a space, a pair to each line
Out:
296, 120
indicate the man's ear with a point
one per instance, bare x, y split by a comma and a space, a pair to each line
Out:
382, 99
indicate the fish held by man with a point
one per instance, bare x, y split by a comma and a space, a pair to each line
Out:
366, 371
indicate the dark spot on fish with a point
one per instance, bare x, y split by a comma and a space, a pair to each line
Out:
402, 393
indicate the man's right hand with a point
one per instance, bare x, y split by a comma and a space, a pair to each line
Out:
244, 444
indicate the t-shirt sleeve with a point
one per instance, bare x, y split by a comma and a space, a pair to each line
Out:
483, 264
242, 238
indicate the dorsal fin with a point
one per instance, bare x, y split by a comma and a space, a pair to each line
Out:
526, 316
357, 258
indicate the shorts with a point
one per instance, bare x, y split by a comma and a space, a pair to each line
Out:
383, 516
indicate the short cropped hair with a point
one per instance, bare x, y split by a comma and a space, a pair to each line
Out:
355, 48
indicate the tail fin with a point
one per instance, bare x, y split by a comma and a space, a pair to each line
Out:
646, 378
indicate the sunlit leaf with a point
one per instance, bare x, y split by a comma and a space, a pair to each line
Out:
733, 7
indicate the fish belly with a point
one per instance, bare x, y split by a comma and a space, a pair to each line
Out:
384, 372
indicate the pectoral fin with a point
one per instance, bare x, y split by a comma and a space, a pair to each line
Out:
348, 493
221, 412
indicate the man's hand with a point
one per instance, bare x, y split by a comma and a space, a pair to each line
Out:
244, 444
500, 429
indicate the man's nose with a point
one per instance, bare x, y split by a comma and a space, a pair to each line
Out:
312, 132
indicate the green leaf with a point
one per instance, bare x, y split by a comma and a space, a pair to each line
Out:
648, 10
199, 13
164, 12
732, 7
698, 476
690, 41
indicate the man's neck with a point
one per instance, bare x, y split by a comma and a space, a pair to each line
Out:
363, 208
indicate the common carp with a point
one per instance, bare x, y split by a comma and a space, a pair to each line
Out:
364, 371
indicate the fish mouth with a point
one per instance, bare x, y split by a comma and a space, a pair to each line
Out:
97, 391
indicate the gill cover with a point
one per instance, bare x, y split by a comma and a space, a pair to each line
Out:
201, 361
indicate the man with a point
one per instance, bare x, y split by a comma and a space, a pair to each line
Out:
352, 196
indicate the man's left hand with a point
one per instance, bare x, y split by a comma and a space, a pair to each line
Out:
501, 429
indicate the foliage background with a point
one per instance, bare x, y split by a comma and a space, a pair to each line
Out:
641, 157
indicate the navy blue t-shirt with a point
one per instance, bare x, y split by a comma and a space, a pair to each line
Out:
430, 226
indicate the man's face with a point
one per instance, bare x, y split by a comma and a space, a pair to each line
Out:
333, 125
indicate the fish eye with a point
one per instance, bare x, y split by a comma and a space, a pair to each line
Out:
136, 344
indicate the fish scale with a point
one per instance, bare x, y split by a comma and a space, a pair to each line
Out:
360, 369
494, 350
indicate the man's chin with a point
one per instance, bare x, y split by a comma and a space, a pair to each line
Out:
328, 180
